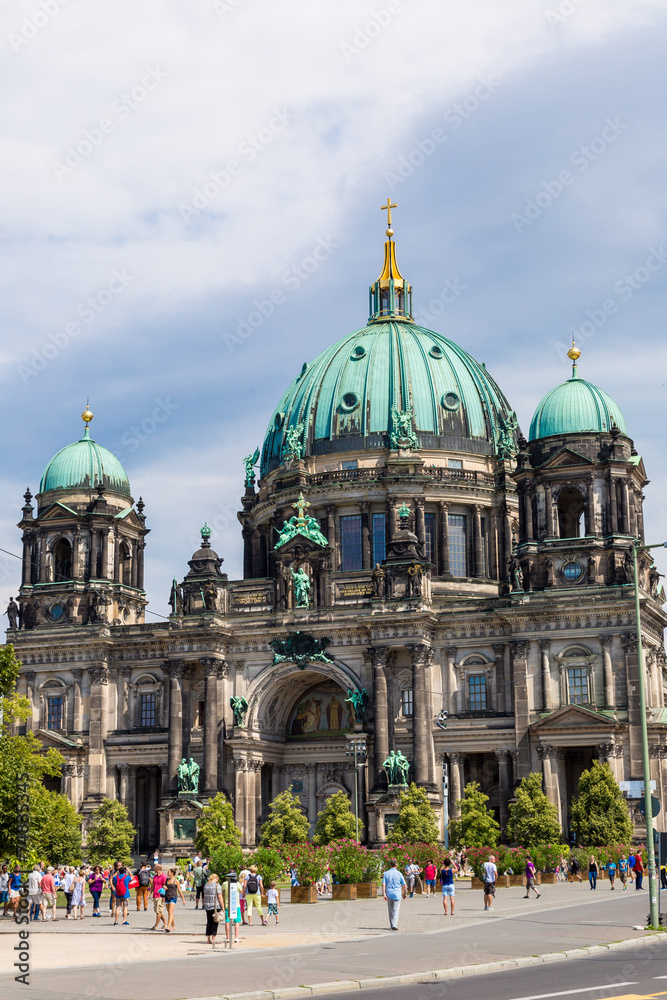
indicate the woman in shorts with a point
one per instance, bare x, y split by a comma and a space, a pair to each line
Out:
447, 883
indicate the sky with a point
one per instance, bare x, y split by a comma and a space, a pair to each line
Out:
169, 168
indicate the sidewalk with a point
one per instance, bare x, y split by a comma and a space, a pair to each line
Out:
319, 943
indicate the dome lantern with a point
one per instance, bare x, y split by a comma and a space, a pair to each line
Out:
390, 297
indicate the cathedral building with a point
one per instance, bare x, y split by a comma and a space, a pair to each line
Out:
418, 578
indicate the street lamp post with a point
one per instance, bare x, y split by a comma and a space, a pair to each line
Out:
648, 808
357, 749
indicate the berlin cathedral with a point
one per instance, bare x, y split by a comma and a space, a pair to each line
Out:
419, 580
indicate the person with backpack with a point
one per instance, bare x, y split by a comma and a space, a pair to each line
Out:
144, 879
252, 889
631, 867
121, 887
574, 870
639, 871
198, 878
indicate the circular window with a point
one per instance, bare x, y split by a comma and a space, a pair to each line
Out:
57, 612
279, 421
450, 401
572, 571
349, 402
436, 352
358, 352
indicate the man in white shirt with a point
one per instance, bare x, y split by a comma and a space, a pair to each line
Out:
411, 877
490, 876
35, 893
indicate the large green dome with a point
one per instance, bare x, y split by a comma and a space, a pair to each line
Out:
84, 464
343, 400
576, 407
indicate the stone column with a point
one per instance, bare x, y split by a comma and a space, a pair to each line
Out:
212, 670
141, 545
115, 576
422, 735
134, 575
331, 535
420, 527
311, 777
590, 508
29, 676
126, 778
77, 718
43, 577
164, 778
99, 707
547, 692
456, 791
519, 651
152, 819
105, 554
246, 534
444, 538
111, 785
27, 559
478, 550
175, 673
499, 655
625, 508
527, 514
381, 712
548, 510
608, 672
392, 520
365, 535
613, 511
504, 759
452, 685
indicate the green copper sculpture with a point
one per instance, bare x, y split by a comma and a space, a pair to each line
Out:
250, 461
239, 708
293, 447
301, 524
505, 437
300, 648
359, 701
402, 434
396, 767
188, 776
301, 584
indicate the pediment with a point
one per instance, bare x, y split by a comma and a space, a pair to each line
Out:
565, 458
129, 516
51, 738
574, 717
302, 544
57, 510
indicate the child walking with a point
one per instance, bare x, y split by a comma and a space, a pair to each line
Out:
273, 897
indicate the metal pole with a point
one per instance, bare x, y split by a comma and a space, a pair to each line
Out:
356, 791
648, 806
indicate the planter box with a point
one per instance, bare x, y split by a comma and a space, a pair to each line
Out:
547, 878
339, 892
303, 894
501, 882
367, 890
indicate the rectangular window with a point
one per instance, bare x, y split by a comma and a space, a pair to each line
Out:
429, 537
577, 682
406, 702
352, 464
55, 713
199, 715
458, 545
379, 536
454, 463
477, 692
147, 710
350, 542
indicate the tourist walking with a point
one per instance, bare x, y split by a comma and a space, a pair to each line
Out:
144, 879
411, 876
611, 873
631, 867
394, 890
574, 870
112, 894
35, 894
4, 888
172, 891
159, 880
49, 894
273, 902
96, 883
14, 887
623, 871
639, 871
66, 885
213, 904
447, 883
198, 878
252, 890
429, 878
121, 887
78, 896
592, 872
530, 879
243, 874
490, 874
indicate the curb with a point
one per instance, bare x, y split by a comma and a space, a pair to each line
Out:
346, 985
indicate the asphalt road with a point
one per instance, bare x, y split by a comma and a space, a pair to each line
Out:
631, 974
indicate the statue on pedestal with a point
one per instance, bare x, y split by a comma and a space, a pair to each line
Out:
397, 767
239, 708
188, 776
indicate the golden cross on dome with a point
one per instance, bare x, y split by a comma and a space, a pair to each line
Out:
388, 207
300, 507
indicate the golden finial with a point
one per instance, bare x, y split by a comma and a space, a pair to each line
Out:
574, 353
387, 208
86, 416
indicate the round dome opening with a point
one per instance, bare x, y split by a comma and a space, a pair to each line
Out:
349, 402
450, 401
358, 352
436, 352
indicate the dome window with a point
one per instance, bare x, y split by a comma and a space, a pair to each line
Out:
450, 401
278, 420
349, 402
358, 353
436, 352
572, 571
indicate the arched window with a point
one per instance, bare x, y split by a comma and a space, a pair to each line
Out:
571, 521
62, 560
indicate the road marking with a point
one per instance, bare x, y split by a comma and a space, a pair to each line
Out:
584, 989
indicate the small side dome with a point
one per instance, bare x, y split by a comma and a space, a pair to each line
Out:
84, 464
576, 407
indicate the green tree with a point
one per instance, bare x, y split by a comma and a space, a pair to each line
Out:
477, 826
57, 827
216, 826
110, 834
270, 864
23, 765
286, 823
533, 819
227, 858
336, 821
599, 811
416, 821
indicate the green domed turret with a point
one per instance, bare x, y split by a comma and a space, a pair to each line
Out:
85, 465
575, 407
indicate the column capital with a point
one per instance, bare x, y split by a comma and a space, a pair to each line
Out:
29, 676
125, 769
519, 648
629, 640
77, 674
419, 501
609, 750
330, 509
443, 506
99, 674
364, 506
213, 667
240, 764
498, 648
657, 750
502, 754
544, 644
378, 655
548, 752
450, 651
605, 640
455, 756
174, 668
422, 655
